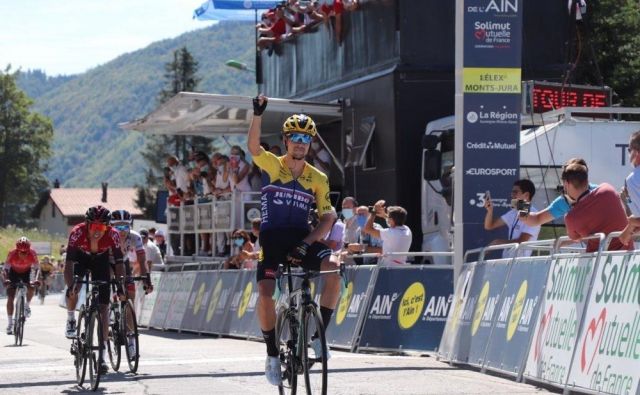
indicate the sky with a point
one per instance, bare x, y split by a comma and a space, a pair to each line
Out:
72, 36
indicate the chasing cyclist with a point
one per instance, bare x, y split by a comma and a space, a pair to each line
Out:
135, 260
290, 186
18, 266
46, 269
91, 246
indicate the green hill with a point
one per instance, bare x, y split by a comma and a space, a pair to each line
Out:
88, 146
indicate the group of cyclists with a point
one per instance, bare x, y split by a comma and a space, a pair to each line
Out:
106, 246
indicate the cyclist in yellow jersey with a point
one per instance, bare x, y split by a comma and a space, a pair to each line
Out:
290, 186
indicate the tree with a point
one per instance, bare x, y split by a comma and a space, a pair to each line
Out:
611, 29
25, 139
180, 75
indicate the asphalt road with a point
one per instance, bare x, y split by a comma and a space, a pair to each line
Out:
180, 363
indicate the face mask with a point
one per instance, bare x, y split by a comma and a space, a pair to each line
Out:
238, 242
347, 213
362, 220
204, 168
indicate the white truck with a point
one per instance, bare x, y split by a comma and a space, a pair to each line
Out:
599, 135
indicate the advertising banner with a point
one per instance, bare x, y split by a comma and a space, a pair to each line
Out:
559, 316
180, 300
351, 305
448, 343
242, 311
149, 300
219, 301
516, 315
199, 300
163, 300
408, 308
490, 111
607, 355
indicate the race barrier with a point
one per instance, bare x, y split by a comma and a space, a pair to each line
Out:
568, 320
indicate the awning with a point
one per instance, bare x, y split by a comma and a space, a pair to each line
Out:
205, 114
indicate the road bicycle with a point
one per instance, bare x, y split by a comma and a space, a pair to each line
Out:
123, 330
19, 311
297, 320
86, 346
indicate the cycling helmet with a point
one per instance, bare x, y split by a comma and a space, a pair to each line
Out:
299, 123
121, 216
98, 214
23, 244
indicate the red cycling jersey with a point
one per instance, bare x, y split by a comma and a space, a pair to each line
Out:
79, 243
21, 264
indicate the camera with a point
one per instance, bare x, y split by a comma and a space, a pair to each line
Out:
522, 206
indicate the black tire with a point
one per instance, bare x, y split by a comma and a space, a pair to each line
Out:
130, 334
314, 368
80, 361
42, 291
18, 321
115, 340
286, 337
94, 351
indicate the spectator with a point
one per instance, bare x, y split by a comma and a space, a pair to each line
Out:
395, 238
319, 156
522, 190
254, 255
63, 249
161, 243
152, 252
275, 29
255, 178
222, 184
333, 239
351, 232
364, 243
178, 184
239, 182
593, 211
242, 246
631, 191
558, 208
152, 234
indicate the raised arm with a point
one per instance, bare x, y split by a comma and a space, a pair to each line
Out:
253, 137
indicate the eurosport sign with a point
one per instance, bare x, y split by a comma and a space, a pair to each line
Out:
561, 309
490, 110
607, 354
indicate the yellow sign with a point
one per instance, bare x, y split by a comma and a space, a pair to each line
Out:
246, 297
411, 305
480, 306
215, 297
516, 310
343, 307
197, 305
491, 80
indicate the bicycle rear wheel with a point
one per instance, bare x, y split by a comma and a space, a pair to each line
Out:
94, 349
80, 361
314, 366
18, 321
286, 335
42, 290
131, 331
115, 340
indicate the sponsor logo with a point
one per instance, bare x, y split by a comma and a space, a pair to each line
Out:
215, 298
495, 6
472, 117
411, 305
491, 80
480, 307
494, 117
252, 214
381, 306
491, 146
343, 306
490, 171
492, 35
516, 310
198, 302
246, 297
497, 202
437, 309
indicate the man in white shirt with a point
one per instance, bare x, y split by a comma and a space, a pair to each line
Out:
396, 238
153, 255
632, 182
517, 230
180, 174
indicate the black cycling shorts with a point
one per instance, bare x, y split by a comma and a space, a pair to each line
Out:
16, 277
99, 268
276, 244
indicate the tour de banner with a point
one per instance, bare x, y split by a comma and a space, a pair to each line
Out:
408, 308
491, 87
480, 311
450, 334
163, 300
199, 300
352, 303
517, 314
242, 311
219, 301
559, 316
607, 355
180, 300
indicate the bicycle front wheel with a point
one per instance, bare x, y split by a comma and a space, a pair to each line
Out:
115, 339
94, 349
314, 359
78, 346
18, 321
132, 345
286, 335
42, 291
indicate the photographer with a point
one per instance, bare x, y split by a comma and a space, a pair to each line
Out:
395, 238
521, 194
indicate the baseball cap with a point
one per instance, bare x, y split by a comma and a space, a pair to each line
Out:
144, 233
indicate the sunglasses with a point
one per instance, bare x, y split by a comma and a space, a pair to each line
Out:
299, 138
97, 227
122, 228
